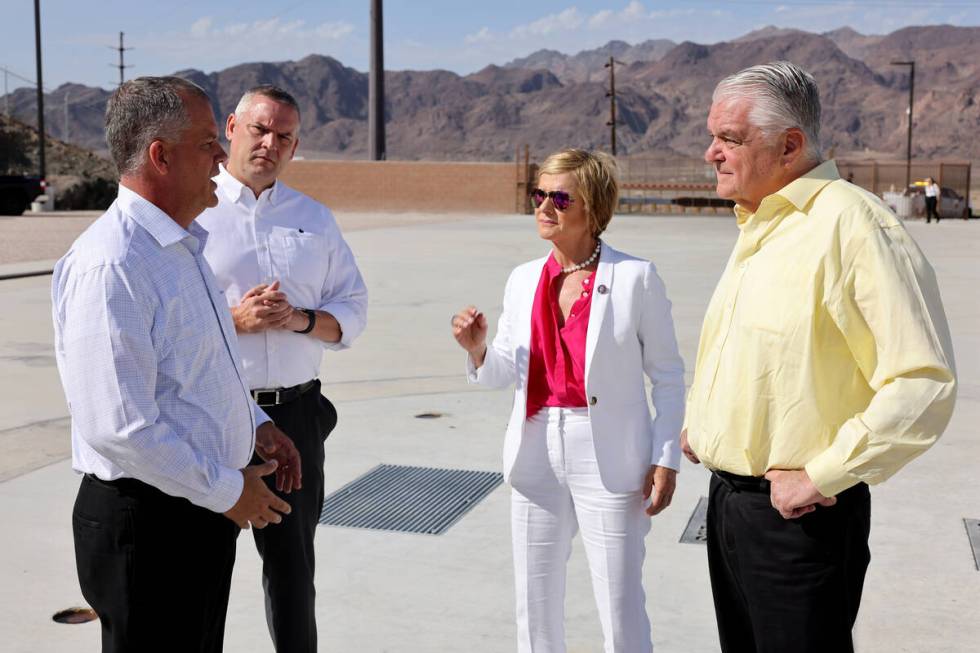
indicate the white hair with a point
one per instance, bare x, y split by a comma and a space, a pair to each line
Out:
783, 96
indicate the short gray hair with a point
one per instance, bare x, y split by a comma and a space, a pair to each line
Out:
783, 96
143, 110
270, 91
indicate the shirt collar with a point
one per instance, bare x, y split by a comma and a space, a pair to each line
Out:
158, 224
236, 191
798, 192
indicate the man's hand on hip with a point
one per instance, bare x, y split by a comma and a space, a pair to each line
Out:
272, 444
793, 494
263, 307
687, 450
258, 505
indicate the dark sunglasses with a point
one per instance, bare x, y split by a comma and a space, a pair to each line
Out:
559, 198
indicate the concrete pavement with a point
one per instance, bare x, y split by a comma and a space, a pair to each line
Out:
382, 591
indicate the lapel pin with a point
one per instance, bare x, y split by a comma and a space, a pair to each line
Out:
602, 290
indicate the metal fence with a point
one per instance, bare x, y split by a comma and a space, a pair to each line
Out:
889, 176
685, 184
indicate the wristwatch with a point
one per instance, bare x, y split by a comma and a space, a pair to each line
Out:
310, 313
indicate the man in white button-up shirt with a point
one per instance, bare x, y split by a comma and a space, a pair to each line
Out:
294, 289
162, 423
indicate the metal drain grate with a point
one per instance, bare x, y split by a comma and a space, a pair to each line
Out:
697, 528
408, 499
973, 532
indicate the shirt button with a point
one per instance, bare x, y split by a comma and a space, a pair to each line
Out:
593, 401
585, 294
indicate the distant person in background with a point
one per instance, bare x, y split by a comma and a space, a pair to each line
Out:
580, 329
294, 290
162, 424
932, 199
825, 364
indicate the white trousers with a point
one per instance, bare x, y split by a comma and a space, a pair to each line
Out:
556, 492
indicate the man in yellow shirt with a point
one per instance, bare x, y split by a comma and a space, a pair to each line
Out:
824, 365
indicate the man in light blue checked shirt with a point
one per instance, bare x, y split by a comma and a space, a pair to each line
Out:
163, 425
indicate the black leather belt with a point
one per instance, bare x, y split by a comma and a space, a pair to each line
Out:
738, 483
279, 396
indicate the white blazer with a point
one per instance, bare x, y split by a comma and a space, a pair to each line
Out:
630, 333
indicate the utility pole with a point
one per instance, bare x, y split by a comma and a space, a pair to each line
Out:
64, 133
122, 63
6, 95
908, 147
611, 94
42, 171
376, 86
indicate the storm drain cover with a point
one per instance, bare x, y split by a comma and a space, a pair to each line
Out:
75, 616
973, 532
697, 528
408, 499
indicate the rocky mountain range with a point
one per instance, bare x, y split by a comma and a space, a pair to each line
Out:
549, 100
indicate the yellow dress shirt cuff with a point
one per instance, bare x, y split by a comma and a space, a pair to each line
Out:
828, 473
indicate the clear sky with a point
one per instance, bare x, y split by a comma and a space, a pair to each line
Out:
458, 35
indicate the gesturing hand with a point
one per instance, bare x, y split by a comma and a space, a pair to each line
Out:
661, 482
793, 494
258, 505
470, 331
273, 444
263, 307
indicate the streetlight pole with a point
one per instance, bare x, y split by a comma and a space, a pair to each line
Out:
42, 172
376, 86
908, 147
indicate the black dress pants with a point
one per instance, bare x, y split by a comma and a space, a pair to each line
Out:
286, 548
785, 585
931, 212
156, 568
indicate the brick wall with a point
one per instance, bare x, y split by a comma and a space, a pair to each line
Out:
409, 185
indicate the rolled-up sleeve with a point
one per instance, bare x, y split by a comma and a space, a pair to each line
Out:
662, 363
891, 314
344, 294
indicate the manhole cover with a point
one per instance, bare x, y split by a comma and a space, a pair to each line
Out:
75, 616
697, 528
408, 499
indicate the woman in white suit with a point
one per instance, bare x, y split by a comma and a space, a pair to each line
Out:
580, 328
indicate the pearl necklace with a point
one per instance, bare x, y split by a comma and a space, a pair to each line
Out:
586, 263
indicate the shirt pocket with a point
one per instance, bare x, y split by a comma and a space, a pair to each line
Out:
304, 256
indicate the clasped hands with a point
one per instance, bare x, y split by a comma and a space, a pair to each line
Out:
266, 307
791, 492
258, 505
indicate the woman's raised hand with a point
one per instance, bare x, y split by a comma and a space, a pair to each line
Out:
470, 331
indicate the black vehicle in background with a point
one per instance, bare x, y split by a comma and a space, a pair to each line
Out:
17, 193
